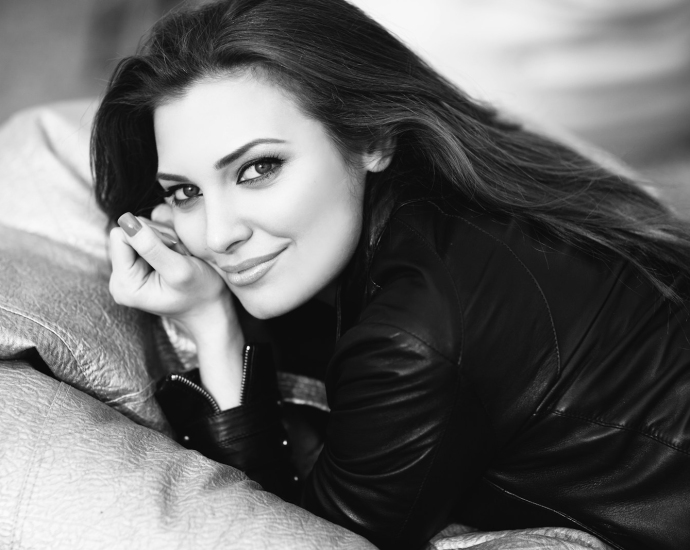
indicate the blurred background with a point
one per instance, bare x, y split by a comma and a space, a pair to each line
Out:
614, 73
64, 49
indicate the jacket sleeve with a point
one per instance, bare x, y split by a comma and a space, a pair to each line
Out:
77, 474
250, 437
405, 435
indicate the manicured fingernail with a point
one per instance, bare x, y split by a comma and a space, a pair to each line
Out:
167, 239
129, 223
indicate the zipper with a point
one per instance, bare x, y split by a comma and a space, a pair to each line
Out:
245, 370
197, 388
337, 312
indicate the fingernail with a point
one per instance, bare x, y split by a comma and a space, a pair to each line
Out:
180, 248
167, 239
129, 223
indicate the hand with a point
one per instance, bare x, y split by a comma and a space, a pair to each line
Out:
151, 273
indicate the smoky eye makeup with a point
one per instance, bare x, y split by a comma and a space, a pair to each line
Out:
259, 169
181, 194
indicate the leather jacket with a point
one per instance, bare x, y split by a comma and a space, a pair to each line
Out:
489, 373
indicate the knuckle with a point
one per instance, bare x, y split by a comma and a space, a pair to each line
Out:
120, 291
116, 292
151, 251
146, 245
181, 277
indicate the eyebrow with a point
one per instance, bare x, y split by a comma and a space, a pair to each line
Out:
225, 161
237, 153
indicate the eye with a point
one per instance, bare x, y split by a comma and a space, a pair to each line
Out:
183, 195
184, 192
259, 169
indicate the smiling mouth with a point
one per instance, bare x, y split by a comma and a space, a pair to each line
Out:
250, 271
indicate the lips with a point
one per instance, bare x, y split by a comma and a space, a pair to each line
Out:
251, 270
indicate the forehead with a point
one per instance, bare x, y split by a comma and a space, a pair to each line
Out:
226, 112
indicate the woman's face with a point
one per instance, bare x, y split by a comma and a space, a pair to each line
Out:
259, 190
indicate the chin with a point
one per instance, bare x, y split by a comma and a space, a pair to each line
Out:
267, 307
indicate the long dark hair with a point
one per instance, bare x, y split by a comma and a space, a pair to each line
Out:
367, 88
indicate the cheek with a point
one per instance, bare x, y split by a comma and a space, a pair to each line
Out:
191, 230
337, 210
329, 201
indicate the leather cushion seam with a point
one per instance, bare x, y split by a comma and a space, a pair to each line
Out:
52, 330
138, 396
36, 457
142, 395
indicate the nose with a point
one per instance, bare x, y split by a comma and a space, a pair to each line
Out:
226, 228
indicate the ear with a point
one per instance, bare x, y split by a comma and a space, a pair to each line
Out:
379, 156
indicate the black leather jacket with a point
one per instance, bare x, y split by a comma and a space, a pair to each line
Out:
491, 374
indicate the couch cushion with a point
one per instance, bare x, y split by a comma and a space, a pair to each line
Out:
45, 178
75, 474
54, 269
55, 301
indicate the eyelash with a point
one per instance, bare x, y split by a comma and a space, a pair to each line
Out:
268, 159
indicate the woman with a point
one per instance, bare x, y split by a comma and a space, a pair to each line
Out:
511, 317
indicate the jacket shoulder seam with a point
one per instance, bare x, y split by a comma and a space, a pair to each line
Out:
527, 270
455, 290
418, 338
616, 426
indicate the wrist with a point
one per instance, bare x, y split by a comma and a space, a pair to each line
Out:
221, 372
214, 323
219, 340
